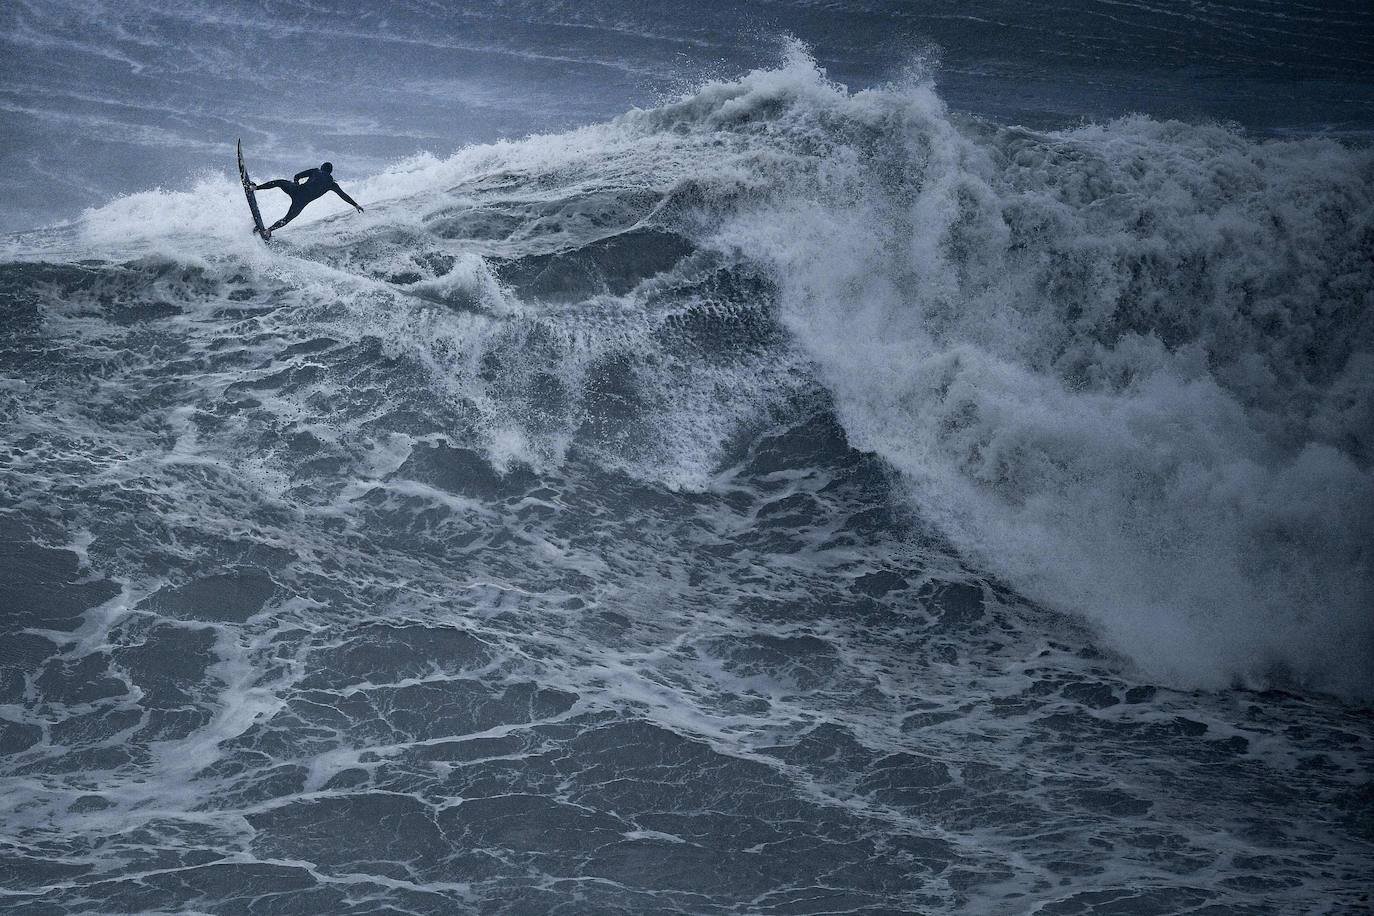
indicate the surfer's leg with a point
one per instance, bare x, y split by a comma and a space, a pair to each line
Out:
276, 183
297, 205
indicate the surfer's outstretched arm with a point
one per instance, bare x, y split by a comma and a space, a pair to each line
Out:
300, 175
277, 183
340, 191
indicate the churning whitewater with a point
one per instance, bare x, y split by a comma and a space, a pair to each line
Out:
784, 499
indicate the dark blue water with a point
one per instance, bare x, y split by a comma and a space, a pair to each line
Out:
807, 475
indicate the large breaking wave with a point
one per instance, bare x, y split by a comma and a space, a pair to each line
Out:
1128, 367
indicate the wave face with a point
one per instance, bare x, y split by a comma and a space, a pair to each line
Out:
782, 500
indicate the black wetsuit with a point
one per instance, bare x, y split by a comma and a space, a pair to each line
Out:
316, 184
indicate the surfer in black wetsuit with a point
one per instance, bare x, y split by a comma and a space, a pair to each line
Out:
309, 185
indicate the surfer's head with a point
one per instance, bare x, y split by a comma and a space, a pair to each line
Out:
327, 167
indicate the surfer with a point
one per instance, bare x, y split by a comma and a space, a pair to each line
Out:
309, 185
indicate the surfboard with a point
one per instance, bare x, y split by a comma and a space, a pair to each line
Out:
252, 198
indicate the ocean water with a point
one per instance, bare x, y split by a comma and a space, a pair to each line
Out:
888, 469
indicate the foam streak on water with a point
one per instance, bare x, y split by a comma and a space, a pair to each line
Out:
781, 500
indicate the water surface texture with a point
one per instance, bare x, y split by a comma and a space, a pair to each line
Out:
865, 459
